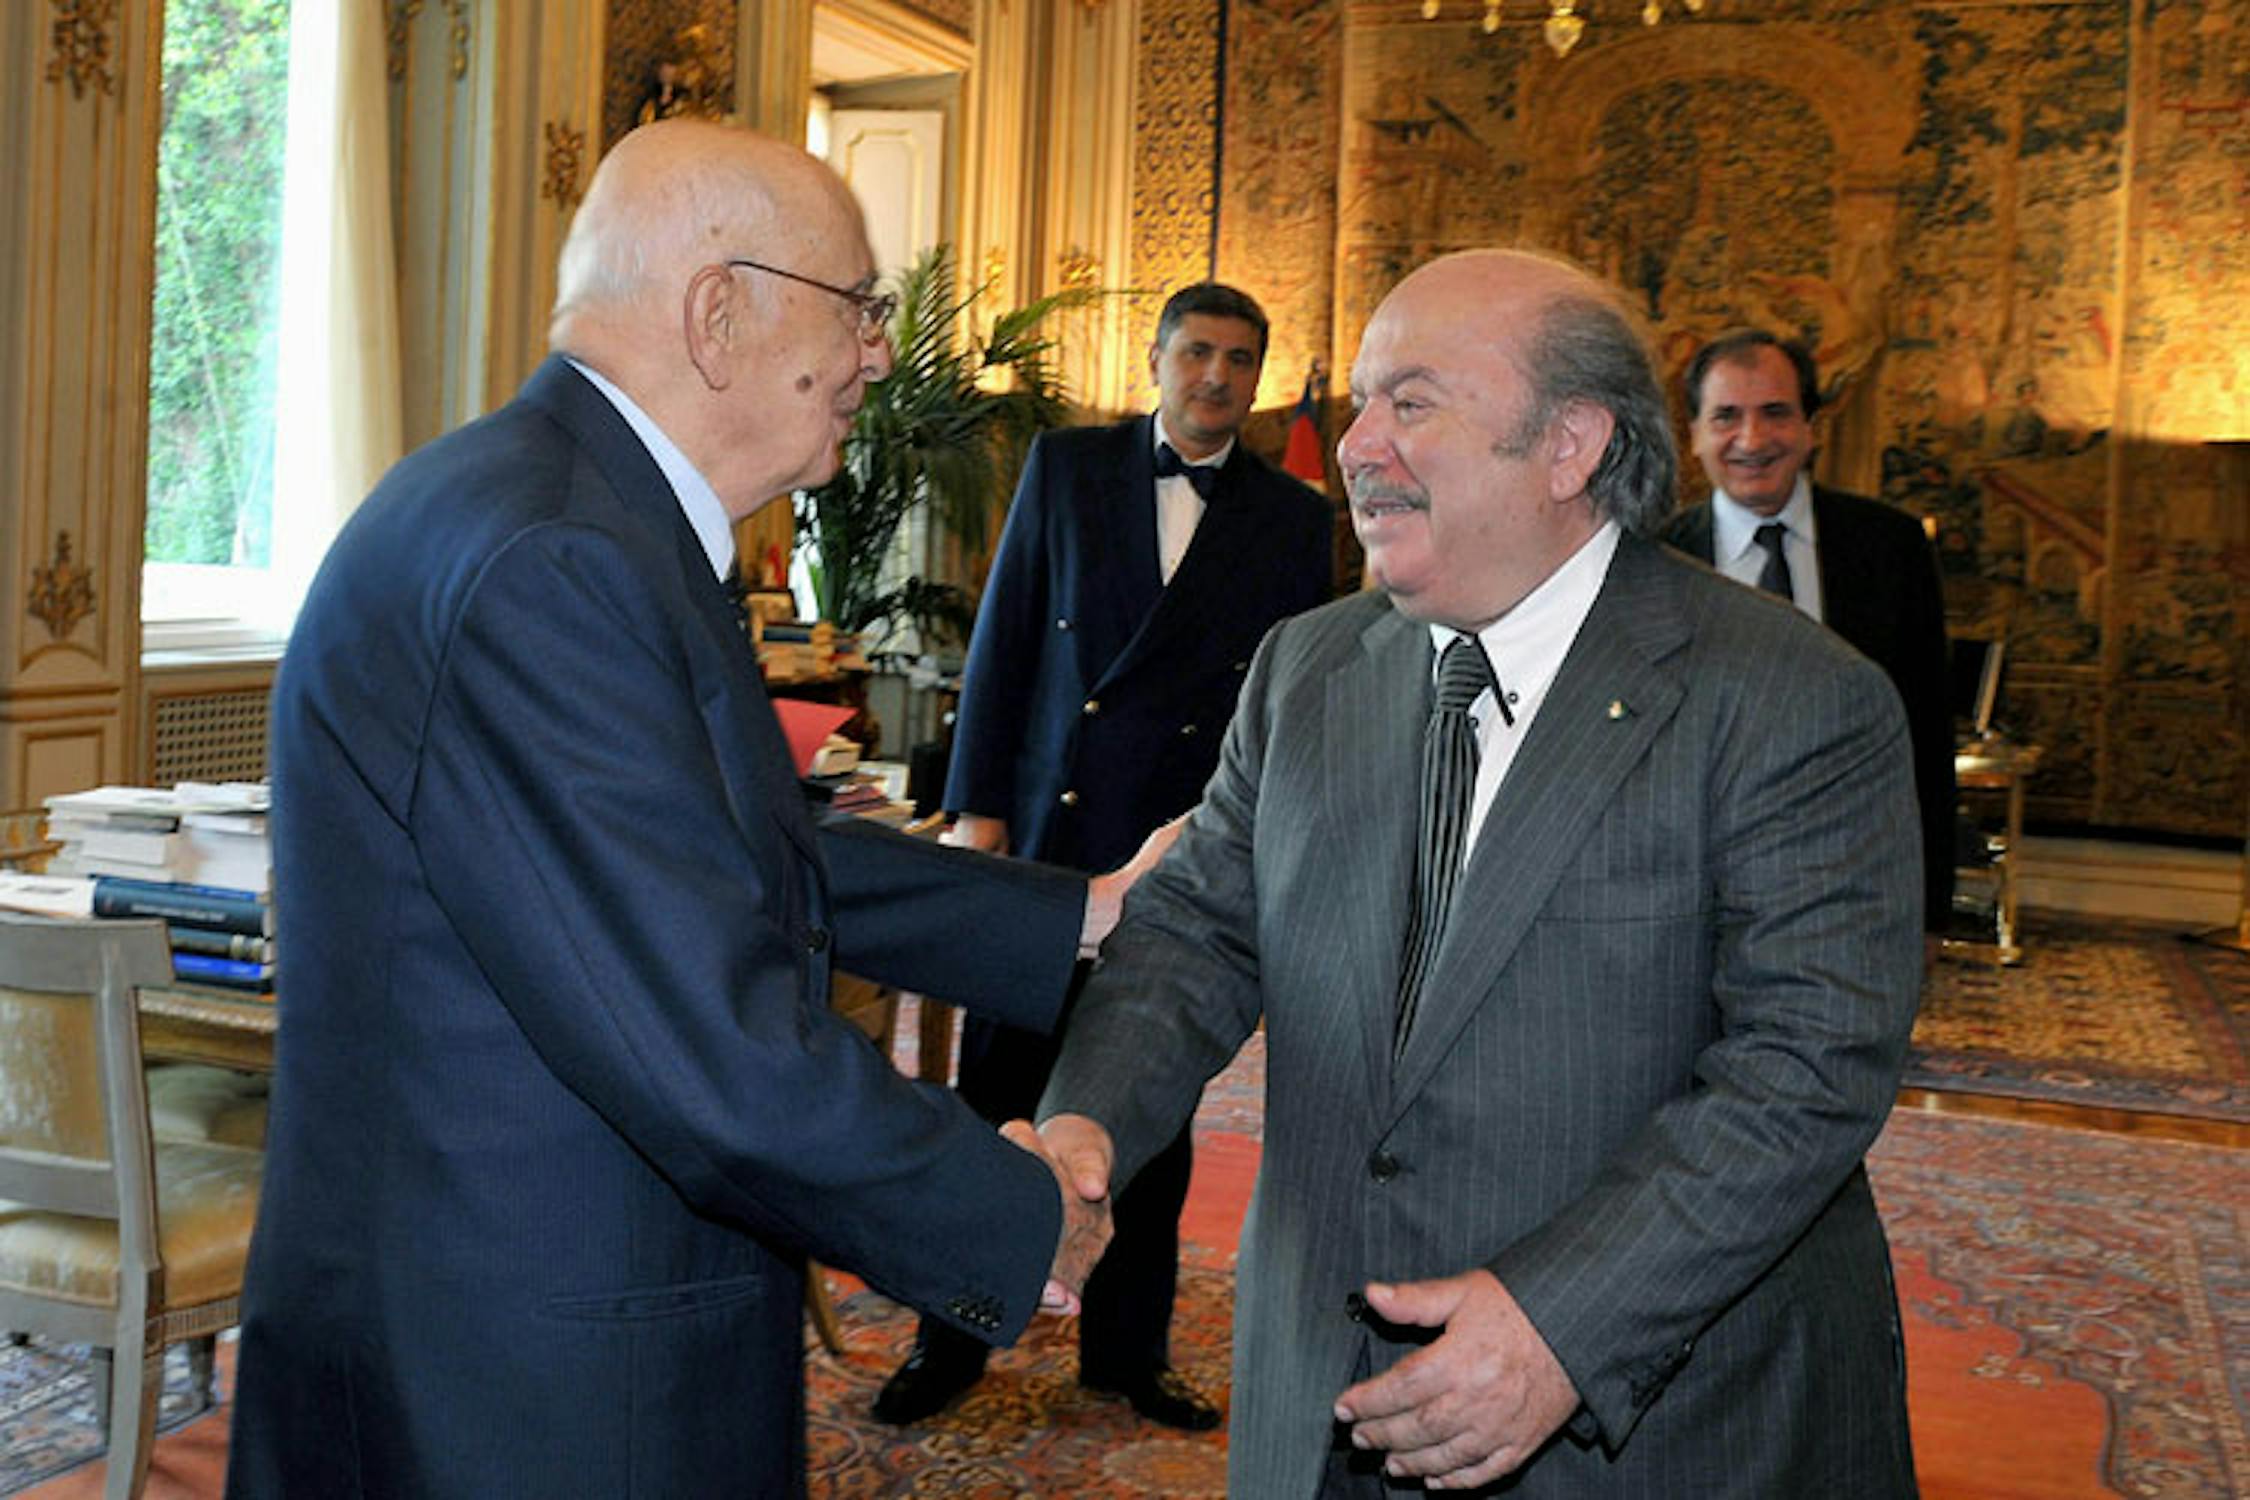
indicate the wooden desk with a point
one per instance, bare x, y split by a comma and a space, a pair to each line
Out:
198, 1023
1995, 766
233, 1029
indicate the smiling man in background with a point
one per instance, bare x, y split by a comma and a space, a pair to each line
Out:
1862, 568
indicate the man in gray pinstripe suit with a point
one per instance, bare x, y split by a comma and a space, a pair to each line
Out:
1595, 1215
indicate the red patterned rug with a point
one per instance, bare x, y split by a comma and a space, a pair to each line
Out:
2077, 1312
2107, 1014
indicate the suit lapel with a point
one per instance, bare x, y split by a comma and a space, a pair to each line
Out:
1570, 765
1204, 589
1115, 494
1835, 540
1377, 705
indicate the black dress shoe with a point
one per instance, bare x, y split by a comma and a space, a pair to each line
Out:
923, 1387
1161, 1396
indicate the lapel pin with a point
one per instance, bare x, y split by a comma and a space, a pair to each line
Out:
1617, 708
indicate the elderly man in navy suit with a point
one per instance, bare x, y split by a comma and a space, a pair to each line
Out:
1140, 565
562, 1108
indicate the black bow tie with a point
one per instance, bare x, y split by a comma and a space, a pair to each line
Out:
1205, 477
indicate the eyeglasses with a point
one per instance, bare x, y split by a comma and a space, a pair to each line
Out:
875, 308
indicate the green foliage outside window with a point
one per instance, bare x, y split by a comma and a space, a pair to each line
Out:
218, 242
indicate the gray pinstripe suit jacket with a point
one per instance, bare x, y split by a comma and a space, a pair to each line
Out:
1667, 1019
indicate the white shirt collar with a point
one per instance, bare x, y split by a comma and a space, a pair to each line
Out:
697, 500
1528, 643
1164, 438
1734, 526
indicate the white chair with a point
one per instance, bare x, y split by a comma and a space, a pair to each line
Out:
107, 1236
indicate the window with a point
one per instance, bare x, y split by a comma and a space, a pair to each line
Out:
272, 215
209, 534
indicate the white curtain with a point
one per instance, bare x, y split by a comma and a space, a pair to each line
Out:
337, 398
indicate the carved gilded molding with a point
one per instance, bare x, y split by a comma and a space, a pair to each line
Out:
566, 156
62, 591
402, 14
1081, 271
457, 36
398, 34
81, 36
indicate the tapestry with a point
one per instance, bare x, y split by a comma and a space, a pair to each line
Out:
2011, 230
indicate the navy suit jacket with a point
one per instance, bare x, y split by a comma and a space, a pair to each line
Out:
1879, 590
1095, 694
561, 1106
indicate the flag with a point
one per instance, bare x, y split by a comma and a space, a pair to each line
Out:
1307, 453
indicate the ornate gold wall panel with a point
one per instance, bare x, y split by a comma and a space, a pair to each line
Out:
2012, 230
78, 96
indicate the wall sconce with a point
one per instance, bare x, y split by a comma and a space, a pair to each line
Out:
1564, 25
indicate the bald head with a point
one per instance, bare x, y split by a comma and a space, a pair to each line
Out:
1572, 338
672, 197
1506, 410
718, 279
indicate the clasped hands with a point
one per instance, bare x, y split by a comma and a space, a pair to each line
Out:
1081, 1169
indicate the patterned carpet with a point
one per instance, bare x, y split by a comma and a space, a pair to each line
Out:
2107, 1014
2117, 1263
47, 1409
2077, 1309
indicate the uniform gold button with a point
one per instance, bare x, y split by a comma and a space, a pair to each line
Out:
1188, 729
1093, 707
1070, 799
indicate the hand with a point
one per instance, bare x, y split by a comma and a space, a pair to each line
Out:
1086, 1224
1473, 1405
976, 831
1082, 1148
1105, 894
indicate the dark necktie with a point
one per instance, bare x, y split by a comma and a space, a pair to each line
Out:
1449, 782
1205, 477
1774, 576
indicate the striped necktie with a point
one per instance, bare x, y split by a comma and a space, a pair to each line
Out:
1449, 781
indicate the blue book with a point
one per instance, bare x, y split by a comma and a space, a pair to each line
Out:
236, 973
197, 905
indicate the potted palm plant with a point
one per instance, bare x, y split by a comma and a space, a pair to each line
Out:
945, 432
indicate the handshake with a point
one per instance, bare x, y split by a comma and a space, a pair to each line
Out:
1078, 1152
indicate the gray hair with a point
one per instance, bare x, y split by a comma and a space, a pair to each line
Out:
640, 234
1585, 349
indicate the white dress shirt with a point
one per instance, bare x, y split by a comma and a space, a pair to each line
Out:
696, 499
1526, 647
1736, 553
1179, 509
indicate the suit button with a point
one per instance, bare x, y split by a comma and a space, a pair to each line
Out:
1093, 707
816, 939
1062, 624
1242, 666
1187, 729
1069, 799
1382, 1166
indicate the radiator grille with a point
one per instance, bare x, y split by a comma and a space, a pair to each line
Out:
219, 736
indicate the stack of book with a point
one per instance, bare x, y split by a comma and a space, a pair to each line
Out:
197, 856
794, 650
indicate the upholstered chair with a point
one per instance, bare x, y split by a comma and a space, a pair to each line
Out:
107, 1236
